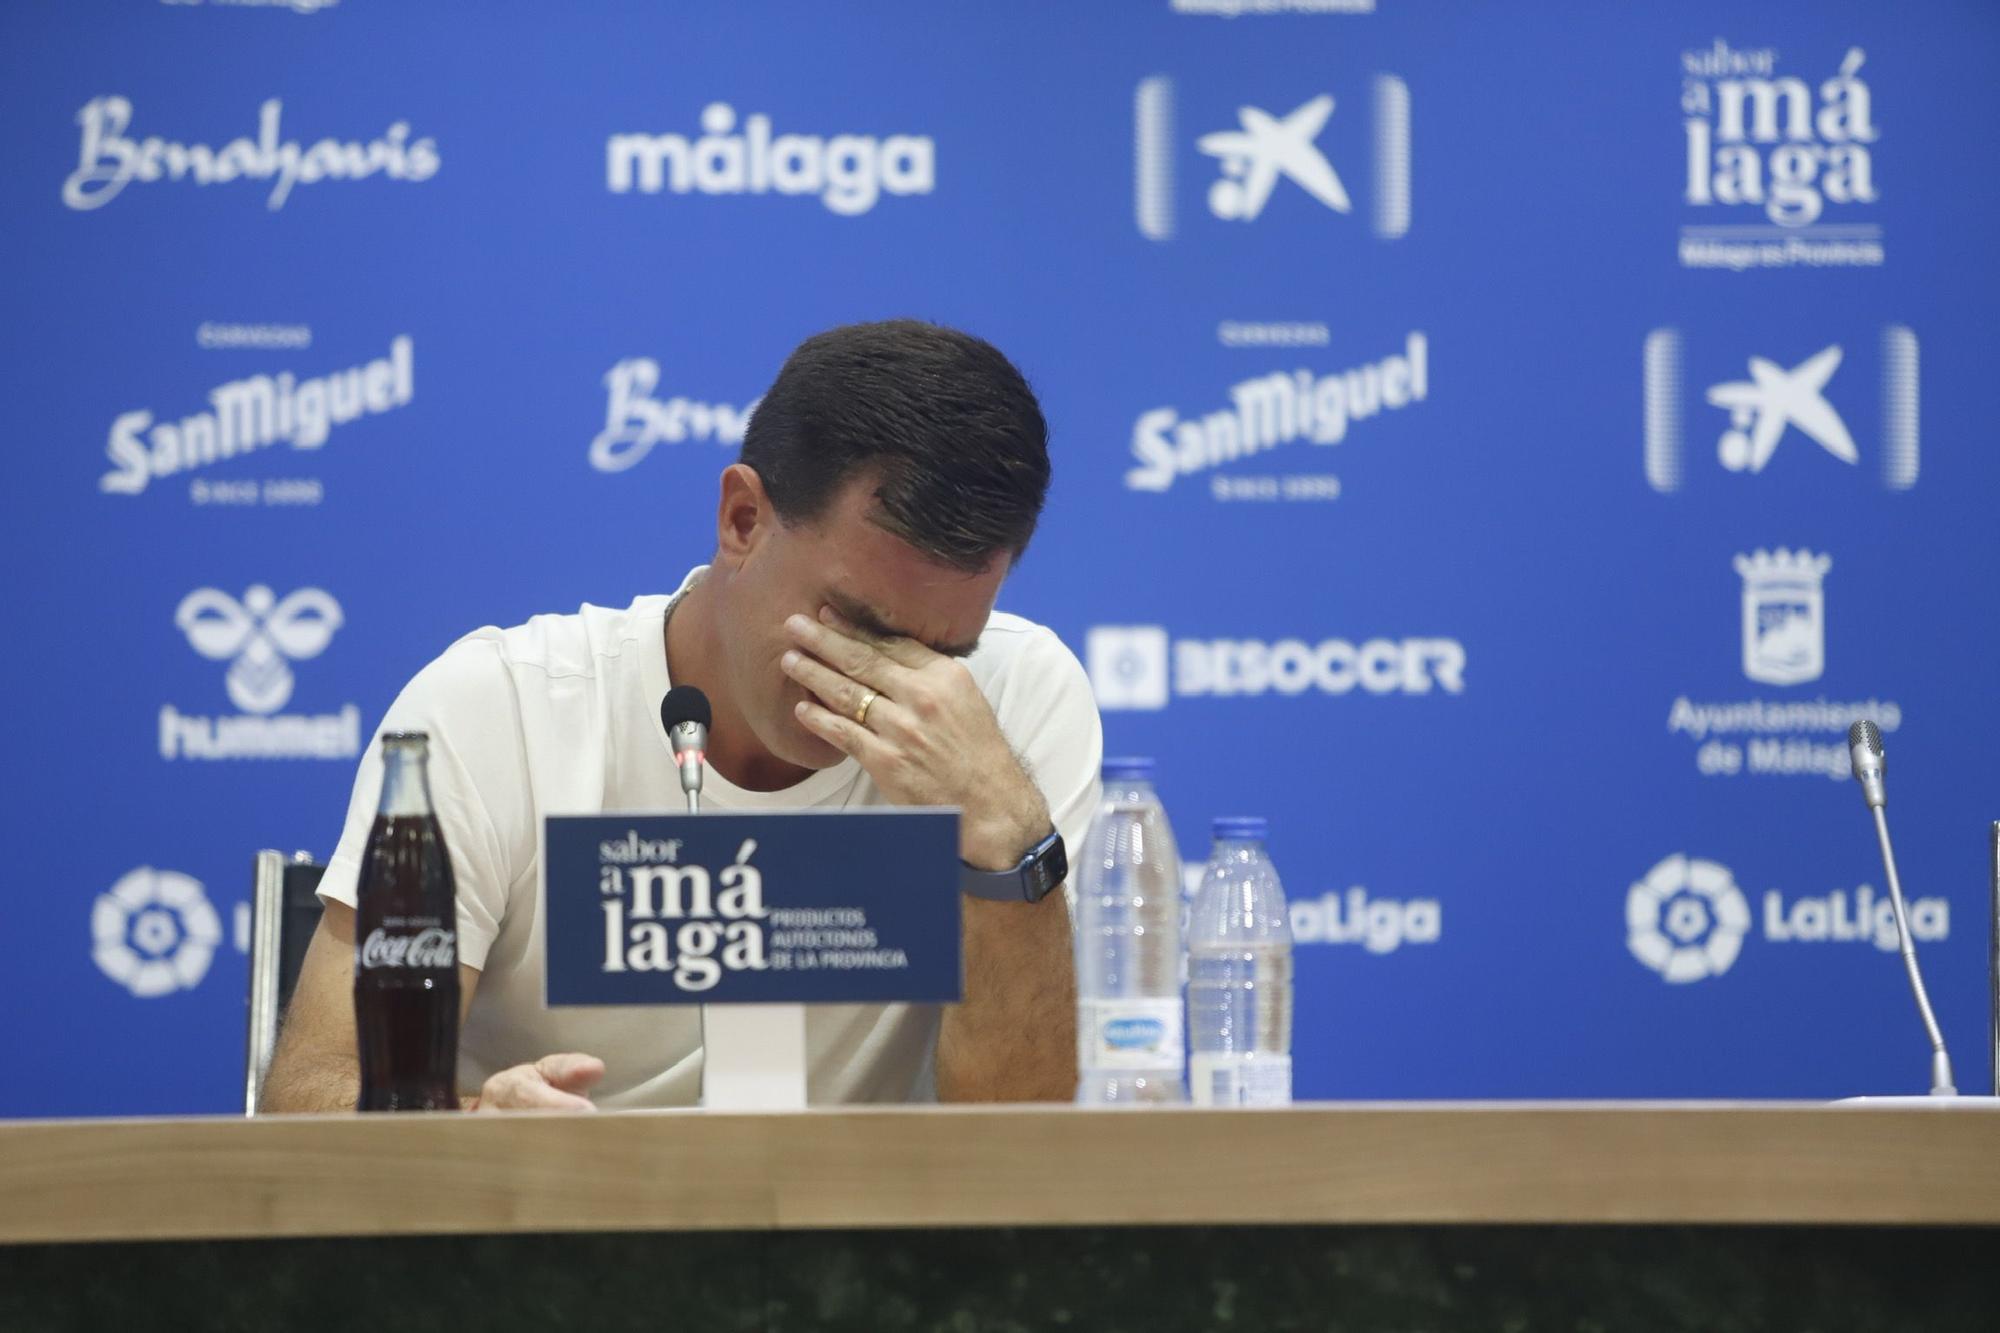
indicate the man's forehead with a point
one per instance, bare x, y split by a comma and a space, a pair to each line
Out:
885, 585
940, 635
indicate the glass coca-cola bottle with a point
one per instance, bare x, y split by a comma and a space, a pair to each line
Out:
406, 944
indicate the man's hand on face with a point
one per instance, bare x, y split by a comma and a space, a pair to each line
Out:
927, 735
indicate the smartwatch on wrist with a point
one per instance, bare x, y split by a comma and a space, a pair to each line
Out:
1044, 867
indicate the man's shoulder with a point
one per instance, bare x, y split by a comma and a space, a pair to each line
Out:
1008, 637
588, 642
1014, 650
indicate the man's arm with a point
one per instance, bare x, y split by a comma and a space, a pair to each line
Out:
464, 701
317, 1065
1013, 1039
931, 739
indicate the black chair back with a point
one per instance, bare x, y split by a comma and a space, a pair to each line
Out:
284, 913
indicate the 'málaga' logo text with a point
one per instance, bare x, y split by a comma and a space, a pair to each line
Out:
848, 172
108, 160
1756, 140
252, 413
662, 916
1276, 409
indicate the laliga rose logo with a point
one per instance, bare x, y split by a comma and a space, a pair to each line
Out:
259, 633
154, 932
1686, 919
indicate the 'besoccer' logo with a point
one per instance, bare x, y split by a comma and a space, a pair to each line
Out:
1138, 666
154, 932
1128, 665
1686, 919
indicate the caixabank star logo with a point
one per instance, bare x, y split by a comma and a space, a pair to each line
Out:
1782, 415
1306, 157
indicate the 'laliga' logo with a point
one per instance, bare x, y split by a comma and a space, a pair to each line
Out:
256, 635
1686, 919
154, 932
1784, 615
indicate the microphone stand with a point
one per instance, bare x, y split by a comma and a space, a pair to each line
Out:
1941, 1080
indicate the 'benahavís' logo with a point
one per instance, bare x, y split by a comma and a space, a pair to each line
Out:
108, 159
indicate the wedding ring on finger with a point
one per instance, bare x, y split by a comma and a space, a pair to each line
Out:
861, 710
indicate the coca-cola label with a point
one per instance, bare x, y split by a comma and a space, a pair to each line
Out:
433, 946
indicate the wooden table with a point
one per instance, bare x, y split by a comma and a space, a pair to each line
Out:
201, 1178
1380, 1168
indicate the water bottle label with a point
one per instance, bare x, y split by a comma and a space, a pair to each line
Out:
1240, 1079
1130, 1033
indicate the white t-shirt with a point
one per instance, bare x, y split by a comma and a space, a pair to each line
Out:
561, 716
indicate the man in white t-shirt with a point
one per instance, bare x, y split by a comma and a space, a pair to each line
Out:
845, 635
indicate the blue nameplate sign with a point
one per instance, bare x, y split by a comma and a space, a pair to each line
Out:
835, 907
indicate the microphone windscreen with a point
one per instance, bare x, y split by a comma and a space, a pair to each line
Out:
684, 703
1867, 735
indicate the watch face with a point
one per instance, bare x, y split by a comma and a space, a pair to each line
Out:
1051, 868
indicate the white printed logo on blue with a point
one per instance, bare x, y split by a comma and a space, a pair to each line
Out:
729, 908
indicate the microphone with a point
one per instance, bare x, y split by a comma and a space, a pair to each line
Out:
685, 715
1864, 748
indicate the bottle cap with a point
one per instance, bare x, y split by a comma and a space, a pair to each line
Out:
1240, 827
406, 737
1129, 769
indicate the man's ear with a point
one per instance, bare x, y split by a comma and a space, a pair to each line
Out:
743, 517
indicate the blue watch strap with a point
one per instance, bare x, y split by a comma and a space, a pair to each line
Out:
1044, 868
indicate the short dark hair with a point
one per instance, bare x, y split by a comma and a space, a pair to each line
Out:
945, 426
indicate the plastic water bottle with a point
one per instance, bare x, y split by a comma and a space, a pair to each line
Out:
1240, 975
1129, 1044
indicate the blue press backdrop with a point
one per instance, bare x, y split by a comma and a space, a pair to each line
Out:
1484, 661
